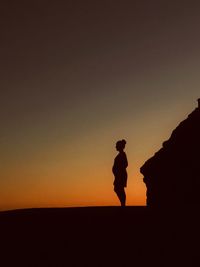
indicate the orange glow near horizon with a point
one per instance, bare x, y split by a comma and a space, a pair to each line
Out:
80, 174
51, 188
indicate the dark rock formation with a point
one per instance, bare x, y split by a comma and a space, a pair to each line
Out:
172, 175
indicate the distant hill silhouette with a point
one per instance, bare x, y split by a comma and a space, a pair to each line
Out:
172, 175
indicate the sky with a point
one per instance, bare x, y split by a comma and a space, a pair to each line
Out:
77, 76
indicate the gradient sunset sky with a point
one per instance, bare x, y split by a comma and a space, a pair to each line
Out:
76, 76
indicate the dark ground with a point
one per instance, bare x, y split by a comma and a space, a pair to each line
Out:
97, 236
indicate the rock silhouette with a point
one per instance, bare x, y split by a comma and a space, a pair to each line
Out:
172, 175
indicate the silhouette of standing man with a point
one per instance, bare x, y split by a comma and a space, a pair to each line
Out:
119, 171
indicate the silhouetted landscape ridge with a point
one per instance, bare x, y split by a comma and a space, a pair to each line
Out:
172, 175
